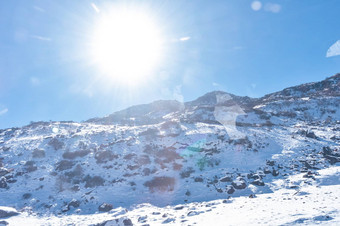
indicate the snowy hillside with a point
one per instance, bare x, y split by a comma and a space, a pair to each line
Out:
202, 157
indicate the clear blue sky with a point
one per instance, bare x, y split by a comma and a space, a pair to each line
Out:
241, 47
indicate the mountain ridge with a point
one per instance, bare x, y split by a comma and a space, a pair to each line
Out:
147, 115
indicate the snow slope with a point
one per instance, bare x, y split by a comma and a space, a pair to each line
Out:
193, 154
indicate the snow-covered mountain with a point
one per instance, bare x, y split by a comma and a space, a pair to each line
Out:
170, 153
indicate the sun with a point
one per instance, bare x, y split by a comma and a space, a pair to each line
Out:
126, 45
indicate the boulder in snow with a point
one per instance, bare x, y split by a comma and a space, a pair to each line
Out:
7, 212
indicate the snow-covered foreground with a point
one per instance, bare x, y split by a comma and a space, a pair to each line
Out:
314, 202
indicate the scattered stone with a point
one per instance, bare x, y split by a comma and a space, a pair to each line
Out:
161, 184
309, 174
192, 213
168, 220
146, 172
230, 189
92, 182
3, 171
105, 207
258, 182
127, 222
7, 212
252, 196
3, 182
75, 154
226, 179
30, 166
142, 219
3, 223
64, 165
239, 183
270, 162
178, 207
267, 170
198, 179
275, 172
311, 134
26, 195
74, 203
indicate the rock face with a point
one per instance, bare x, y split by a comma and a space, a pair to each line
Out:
105, 207
7, 212
239, 183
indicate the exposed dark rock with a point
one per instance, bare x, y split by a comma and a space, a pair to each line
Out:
105, 156
3, 182
76, 173
168, 220
275, 172
143, 160
64, 165
270, 162
56, 144
7, 212
254, 176
230, 189
309, 174
129, 156
226, 179
266, 170
105, 207
219, 190
74, 203
3, 171
146, 172
198, 179
75, 154
161, 184
187, 172
38, 153
311, 134
258, 182
142, 219
30, 166
132, 167
127, 222
168, 155
26, 195
178, 207
3, 223
332, 156
239, 183
92, 182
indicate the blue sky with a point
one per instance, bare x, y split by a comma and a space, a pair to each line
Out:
242, 47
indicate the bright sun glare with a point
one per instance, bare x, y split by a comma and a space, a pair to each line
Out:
126, 45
